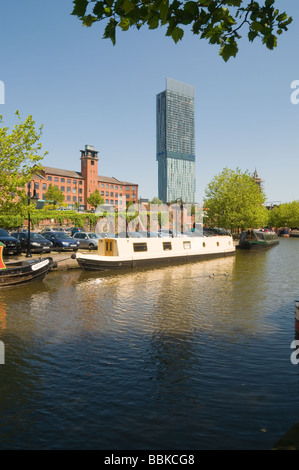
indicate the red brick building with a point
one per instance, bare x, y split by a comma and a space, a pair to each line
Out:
78, 186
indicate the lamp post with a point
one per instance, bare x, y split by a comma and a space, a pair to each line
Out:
29, 199
176, 216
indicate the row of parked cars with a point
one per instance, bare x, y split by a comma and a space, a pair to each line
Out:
45, 242
73, 239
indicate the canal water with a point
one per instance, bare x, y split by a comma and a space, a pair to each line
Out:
192, 357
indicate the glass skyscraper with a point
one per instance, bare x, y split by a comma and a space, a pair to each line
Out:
175, 142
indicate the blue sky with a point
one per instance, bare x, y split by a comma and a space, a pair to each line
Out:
84, 91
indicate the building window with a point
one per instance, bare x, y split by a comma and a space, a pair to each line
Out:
107, 185
68, 181
116, 187
74, 190
92, 162
68, 189
62, 188
68, 198
111, 201
127, 188
116, 194
133, 188
80, 190
56, 179
44, 186
74, 199
102, 193
80, 181
111, 186
49, 178
62, 180
111, 194
102, 185
36, 185
80, 199
75, 181
128, 196
107, 193
107, 201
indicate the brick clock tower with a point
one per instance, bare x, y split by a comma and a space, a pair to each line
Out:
89, 171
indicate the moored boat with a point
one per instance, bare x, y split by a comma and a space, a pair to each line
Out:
284, 232
294, 233
24, 271
119, 253
258, 239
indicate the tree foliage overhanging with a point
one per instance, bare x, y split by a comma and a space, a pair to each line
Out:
218, 21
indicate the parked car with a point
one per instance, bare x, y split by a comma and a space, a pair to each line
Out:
62, 241
171, 233
87, 240
148, 234
75, 230
129, 235
166, 233
105, 235
12, 244
38, 243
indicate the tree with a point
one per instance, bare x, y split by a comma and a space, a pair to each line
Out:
19, 160
95, 199
54, 195
156, 201
76, 205
218, 21
286, 214
234, 201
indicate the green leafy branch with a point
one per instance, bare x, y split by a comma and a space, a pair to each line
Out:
218, 21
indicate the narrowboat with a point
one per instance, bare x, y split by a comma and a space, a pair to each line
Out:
284, 232
253, 239
119, 253
23, 272
294, 233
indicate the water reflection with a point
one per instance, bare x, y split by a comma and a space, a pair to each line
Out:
190, 356
3, 316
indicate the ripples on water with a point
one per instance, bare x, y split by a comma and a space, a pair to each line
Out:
188, 357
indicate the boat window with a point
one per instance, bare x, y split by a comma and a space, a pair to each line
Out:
271, 236
140, 246
260, 235
187, 245
167, 246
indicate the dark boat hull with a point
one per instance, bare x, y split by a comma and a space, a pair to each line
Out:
25, 272
102, 265
248, 245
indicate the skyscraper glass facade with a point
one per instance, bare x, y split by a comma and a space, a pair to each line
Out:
175, 142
